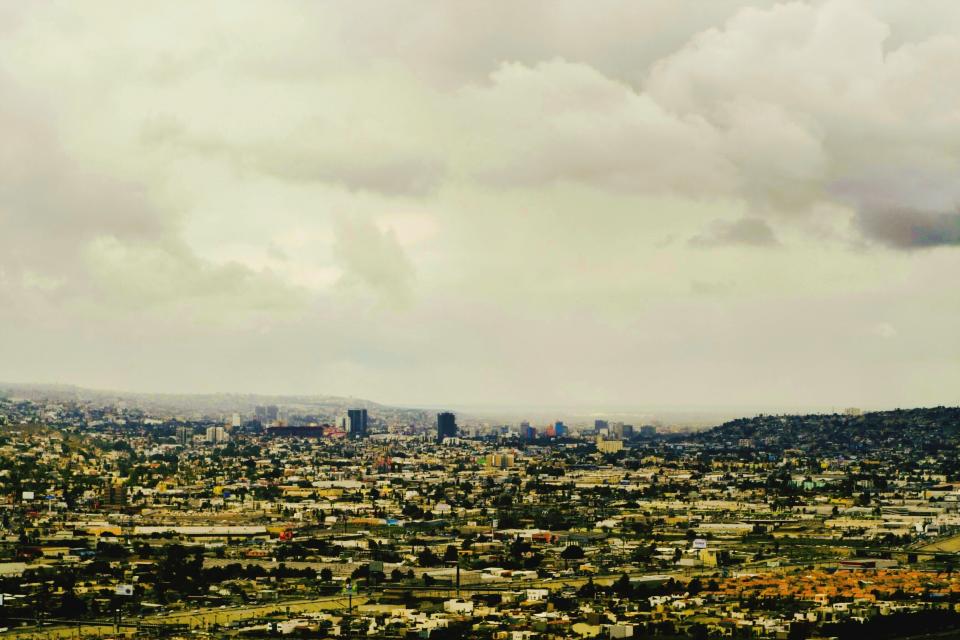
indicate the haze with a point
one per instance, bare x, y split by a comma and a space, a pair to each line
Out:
657, 203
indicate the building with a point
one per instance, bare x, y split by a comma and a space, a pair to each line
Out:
184, 435
648, 431
501, 460
621, 431
267, 414
527, 432
300, 432
217, 435
113, 494
600, 425
609, 446
446, 426
560, 430
356, 423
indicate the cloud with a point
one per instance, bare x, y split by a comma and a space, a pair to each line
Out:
373, 260
745, 231
912, 229
827, 108
139, 275
884, 330
78, 234
334, 149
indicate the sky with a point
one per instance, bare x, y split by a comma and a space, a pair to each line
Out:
658, 203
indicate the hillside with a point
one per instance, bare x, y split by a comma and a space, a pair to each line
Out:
925, 430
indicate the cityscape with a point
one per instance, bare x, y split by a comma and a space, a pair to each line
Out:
121, 521
480, 320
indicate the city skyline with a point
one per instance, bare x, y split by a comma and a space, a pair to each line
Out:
683, 204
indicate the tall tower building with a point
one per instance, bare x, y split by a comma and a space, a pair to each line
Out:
217, 435
184, 435
446, 426
357, 423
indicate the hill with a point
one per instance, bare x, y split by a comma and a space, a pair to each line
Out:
915, 431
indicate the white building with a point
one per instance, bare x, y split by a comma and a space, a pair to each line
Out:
217, 435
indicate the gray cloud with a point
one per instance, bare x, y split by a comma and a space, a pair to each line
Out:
752, 232
373, 259
911, 229
70, 231
311, 152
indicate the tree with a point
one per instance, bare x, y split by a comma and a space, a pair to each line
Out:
623, 587
326, 575
698, 631
588, 590
427, 558
573, 552
694, 587
451, 554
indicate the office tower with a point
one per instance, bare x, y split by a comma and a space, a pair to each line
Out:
560, 429
648, 431
267, 414
184, 435
600, 425
357, 423
446, 426
527, 432
113, 494
217, 435
620, 430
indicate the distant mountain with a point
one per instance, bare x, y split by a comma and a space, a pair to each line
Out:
198, 404
932, 430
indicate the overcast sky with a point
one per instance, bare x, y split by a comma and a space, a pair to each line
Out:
611, 203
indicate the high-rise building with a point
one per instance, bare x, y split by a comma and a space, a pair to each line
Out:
620, 430
267, 414
648, 431
600, 425
217, 435
357, 423
113, 494
560, 429
527, 432
184, 435
446, 426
